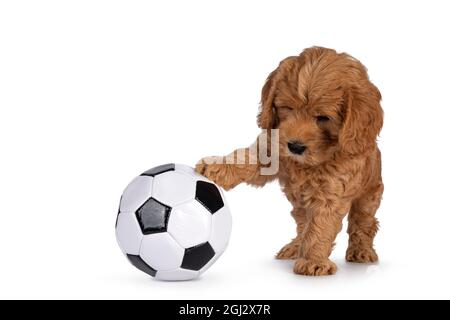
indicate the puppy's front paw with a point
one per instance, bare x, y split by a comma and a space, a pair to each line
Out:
361, 255
217, 171
314, 268
289, 251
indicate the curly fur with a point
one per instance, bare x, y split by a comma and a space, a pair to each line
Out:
340, 171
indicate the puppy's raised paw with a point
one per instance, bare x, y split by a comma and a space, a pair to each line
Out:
216, 170
315, 268
289, 251
361, 255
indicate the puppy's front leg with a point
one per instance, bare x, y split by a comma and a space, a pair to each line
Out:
228, 175
217, 170
290, 251
255, 165
324, 221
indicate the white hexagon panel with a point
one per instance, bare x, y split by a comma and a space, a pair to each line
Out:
220, 229
161, 252
136, 193
173, 188
190, 224
178, 274
128, 233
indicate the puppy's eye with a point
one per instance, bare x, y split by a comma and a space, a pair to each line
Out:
322, 119
285, 109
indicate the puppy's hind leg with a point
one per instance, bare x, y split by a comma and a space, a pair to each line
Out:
363, 226
290, 251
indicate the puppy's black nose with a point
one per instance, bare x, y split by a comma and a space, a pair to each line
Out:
296, 147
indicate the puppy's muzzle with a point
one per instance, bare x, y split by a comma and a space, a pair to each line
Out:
296, 147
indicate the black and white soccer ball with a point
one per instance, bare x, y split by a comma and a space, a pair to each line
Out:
173, 223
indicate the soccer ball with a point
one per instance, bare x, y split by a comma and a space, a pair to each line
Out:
173, 223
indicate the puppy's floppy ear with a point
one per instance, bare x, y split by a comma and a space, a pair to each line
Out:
267, 118
363, 118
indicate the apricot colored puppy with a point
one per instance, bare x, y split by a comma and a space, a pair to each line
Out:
328, 115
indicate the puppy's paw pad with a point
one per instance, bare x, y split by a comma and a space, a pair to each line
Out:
315, 268
289, 251
361, 255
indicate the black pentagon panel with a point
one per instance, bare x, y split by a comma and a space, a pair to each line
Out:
209, 196
197, 257
141, 265
153, 216
158, 170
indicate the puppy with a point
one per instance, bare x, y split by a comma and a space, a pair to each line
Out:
328, 115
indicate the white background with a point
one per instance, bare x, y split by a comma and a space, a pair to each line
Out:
94, 92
